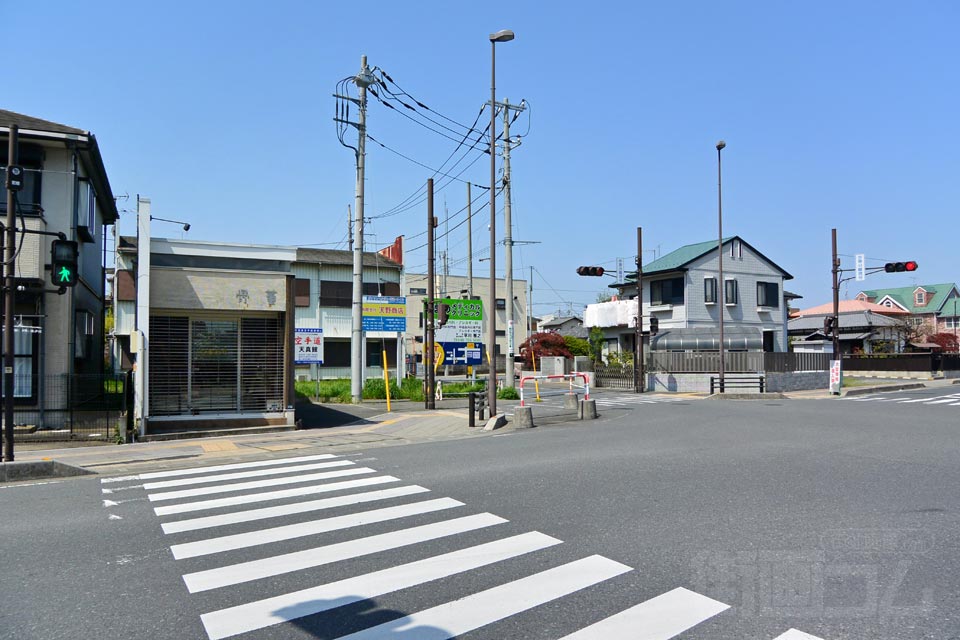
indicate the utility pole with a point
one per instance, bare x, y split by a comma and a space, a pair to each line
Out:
469, 244
445, 292
429, 310
530, 304
508, 239
721, 285
10, 245
638, 379
349, 229
836, 296
357, 365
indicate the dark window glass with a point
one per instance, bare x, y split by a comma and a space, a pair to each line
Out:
501, 303
710, 290
335, 294
668, 291
768, 294
730, 292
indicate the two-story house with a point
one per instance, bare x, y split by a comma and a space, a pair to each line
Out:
66, 190
682, 291
932, 307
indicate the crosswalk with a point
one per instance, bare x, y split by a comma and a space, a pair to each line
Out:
611, 400
227, 541
950, 399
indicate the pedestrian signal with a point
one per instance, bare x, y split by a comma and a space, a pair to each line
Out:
63, 263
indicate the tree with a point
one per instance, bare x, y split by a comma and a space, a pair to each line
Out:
604, 296
577, 346
911, 332
596, 340
947, 341
543, 344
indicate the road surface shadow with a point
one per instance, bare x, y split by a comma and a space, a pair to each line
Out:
349, 614
319, 416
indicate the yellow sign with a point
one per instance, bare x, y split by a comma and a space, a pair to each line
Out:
438, 355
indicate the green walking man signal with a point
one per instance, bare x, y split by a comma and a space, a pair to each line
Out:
63, 263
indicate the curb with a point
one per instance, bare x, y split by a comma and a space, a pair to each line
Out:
862, 391
30, 470
772, 395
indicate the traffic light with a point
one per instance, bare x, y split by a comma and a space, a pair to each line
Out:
896, 267
654, 325
443, 314
590, 271
828, 325
63, 263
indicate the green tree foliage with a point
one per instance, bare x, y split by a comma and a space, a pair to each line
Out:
596, 344
577, 346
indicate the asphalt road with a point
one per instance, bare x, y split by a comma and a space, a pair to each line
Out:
834, 518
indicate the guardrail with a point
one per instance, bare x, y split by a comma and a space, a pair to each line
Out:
565, 376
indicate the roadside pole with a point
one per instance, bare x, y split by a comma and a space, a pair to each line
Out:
639, 381
428, 311
9, 292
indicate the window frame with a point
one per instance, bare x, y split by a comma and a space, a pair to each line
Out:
763, 288
710, 290
656, 292
731, 292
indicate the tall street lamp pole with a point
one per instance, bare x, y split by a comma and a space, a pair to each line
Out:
721, 285
504, 35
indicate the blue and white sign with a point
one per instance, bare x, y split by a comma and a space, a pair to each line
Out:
308, 346
469, 353
385, 313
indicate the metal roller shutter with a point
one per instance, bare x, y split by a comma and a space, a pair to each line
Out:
261, 364
169, 362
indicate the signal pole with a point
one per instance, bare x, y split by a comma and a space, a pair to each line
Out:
508, 239
10, 245
836, 296
428, 313
638, 378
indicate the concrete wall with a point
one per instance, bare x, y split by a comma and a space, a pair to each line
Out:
798, 381
700, 382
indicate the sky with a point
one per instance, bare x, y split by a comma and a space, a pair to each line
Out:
835, 114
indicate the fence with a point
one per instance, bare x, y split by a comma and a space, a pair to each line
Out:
613, 376
66, 407
923, 362
705, 361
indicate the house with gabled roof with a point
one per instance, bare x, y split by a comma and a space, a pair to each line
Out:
927, 304
681, 290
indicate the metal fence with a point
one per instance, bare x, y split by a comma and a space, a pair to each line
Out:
613, 376
705, 361
67, 407
790, 362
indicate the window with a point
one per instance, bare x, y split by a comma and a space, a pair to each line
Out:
768, 294
418, 291
730, 290
736, 249
500, 333
25, 341
710, 290
335, 294
501, 303
916, 321
301, 292
87, 215
421, 319
31, 159
918, 297
668, 291
951, 323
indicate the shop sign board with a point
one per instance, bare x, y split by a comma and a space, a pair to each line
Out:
461, 337
385, 313
308, 346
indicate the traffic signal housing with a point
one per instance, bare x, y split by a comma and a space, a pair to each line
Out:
590, 271
654, 325
63, 263
828, 325
896, 267
443, 314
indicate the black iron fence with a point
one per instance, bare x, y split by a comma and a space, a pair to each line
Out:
68, 407
912, 362
613, 376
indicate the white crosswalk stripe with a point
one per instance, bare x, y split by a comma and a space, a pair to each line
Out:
952, 399
266, 516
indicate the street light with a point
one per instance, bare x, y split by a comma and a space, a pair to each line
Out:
721, 285
186, 225
504, 35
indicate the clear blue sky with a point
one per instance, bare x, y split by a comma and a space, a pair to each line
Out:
835, 114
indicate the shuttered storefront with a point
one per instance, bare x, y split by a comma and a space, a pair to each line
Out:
215, 364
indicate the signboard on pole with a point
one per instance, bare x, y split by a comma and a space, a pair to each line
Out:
461, 336
836, 377
860, 264
308, 346
385, 313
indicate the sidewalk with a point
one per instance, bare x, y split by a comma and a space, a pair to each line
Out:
880, 386
382, 430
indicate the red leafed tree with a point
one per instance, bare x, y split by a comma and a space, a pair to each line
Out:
947, 341
543, 344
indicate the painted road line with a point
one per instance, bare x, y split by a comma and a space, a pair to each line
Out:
264, 613
793, 634
666, 616
944, 401
309, 558
250, 498
486, 607
313, 527
220, 467
257, 484
239, 475
250, 515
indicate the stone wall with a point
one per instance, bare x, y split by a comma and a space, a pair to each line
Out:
700, 382
797, 381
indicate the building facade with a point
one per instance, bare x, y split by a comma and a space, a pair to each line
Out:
57, 337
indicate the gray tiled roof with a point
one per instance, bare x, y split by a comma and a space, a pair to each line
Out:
336, 256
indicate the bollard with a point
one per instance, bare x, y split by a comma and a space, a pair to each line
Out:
523, 418
588, 409
471, 407
570, 401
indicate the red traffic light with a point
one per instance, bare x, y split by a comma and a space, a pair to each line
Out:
896, 267
590, 271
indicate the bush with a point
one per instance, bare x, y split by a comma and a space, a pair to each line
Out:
411, 389
577, 346
375, 389
337, 390
462, 388
508, 393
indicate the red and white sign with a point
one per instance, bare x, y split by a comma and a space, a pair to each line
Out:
836, 376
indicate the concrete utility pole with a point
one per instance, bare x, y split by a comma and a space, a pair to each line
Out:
429, 310
10, 246
638, 381
357, 365
469, 244
836, 296
721, 285
508, 239
349, 229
